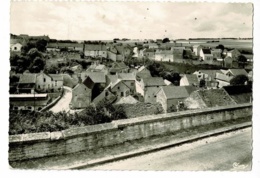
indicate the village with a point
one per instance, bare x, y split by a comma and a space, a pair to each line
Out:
139, 77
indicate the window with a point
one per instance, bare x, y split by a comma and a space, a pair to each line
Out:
29, 107
118, 88
122, 93
44, 79
15, 48
132, 83
106, 93
39, 86
55, 82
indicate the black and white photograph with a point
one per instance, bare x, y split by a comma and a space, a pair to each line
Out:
131, 86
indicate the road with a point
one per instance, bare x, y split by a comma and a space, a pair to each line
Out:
63, 103
230, 151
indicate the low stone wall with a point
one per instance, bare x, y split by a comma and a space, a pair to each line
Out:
28, 146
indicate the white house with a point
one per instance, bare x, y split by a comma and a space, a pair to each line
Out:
205, 54
196, 49
16, 47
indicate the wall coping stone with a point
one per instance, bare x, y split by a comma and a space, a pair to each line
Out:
87, 130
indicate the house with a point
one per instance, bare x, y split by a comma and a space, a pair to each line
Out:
228, 62
29, 102
205, 55
27, 83
143, 72
119, 89
171, 96
164, 55
223, 79
235, 72
81, 95
97, 67
216, 53
196, 49
118, 67
119, 52
16, 47
128, 79
95, 50
148, 87
71, 47
233, 53
178, 49
149, 53
189, 80
209, 76
49, 82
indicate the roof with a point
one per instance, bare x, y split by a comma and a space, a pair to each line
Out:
164, 52
57, 77
141, 68
211, 73
27, 78
112, 78
153, 81
192, 78
172, 92
28, 95
167, 82
120, 65
112, 85
150, 50
95, 47
223, 77
206, 51
127, 100
63, 45
238, 72
97, 77
195, 46
96, 67
126, 76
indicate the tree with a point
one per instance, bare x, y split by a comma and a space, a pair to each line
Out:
242, 60
33, 53
220, 46
239, 80
37, 65
52, 69
202, 83
166, 40
41, 45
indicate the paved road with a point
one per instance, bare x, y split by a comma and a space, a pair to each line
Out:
63, 103
231, 151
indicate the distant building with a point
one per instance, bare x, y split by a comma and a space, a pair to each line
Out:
27, 83
206, 55
118, 67
233, 53
196, 49
228, 62
29, 102
95, 50
16, 47
171, 96
164, 55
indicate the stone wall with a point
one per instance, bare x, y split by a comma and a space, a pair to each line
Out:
28, 146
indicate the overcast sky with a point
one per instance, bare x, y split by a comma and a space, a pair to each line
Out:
134, 20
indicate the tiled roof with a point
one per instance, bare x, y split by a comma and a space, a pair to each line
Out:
223, 77
172, 92
27, 78
154, 81
206, 51
57, 77
126, 76
192, 78
95, 47
238, 72
97, 77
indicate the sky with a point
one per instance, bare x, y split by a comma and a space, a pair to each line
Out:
133, 20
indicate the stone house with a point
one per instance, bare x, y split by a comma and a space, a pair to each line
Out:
209, 76
143, 72
49, 82
196, 49
95, 50
119, 89
118, 67
148, 87
189, 80
205, 55
228, 62
233, 53
27, 83
171, 96
164, 55
81, 95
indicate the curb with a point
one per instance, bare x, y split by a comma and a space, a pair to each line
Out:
158, 147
